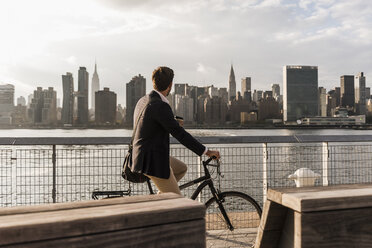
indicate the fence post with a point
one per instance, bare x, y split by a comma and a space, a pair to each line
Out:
264, 170
54, 160
13, 164
325, 156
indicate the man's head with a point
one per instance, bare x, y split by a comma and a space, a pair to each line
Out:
162, 78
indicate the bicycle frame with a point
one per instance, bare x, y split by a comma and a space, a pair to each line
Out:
206, 180
203, 179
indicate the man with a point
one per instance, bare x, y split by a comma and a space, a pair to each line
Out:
151, 140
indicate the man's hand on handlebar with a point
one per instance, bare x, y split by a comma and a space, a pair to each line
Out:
213, 154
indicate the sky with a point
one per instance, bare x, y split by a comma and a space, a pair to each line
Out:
199, 39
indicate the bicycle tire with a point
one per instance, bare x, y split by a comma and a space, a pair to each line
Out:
244, 214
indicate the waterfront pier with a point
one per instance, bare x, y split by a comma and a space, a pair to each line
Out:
58, 170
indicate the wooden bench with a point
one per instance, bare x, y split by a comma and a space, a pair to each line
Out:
333, 216
164, 220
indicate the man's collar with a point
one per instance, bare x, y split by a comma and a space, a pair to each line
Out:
163, 98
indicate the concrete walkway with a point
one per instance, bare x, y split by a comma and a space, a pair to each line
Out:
225, 238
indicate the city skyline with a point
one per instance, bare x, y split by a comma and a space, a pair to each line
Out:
202, 39
210, 105
149, 88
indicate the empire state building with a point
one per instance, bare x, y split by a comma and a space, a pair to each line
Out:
95, 87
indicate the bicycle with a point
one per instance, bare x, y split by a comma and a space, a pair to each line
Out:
232, 217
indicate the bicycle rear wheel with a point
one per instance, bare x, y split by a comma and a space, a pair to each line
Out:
244, 214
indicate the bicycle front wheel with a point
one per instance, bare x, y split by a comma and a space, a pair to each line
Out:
244, 214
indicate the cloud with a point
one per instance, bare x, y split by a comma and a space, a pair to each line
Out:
152, 6
329, 20
72, 60
268, 4
305, 4
200, 67
198, 38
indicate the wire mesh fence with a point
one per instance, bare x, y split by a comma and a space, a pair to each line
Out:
6, 177
49, 173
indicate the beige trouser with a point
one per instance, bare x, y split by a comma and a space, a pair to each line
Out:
177, 171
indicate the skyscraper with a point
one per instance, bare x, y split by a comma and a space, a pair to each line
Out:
19, 115
95, 86
322, 105
180, 89
49, 109
29, 99
338, 95
21, 101
232, 84
360, 93
68, 98
246, 85
257, 95
6, 97
300, 92
276, 91
212, 91
195, 92
333, 101
237, 107
105, 110
268, 94
368, 93
268, 108
184, 106
6, 103
82, 96
222, 92
347, 91
43, 107
135, 89
215, 110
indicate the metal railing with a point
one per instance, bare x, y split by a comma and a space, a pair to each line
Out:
47, 170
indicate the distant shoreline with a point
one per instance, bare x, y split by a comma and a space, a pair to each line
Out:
356, 127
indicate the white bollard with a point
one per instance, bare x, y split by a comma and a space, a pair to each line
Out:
304, 177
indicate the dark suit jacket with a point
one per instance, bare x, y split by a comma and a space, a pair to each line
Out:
151, 141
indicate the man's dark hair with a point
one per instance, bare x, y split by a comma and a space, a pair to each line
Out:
162, 77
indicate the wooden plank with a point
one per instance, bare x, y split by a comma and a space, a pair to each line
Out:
328, 199
82, 221
86, 204
298, 229
269, 241
352, 227
336, 203
323, 198
320, 188
287, 238
273, 216
183, 235
272, 220
275, 195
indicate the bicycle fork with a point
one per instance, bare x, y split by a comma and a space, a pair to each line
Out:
220, 205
